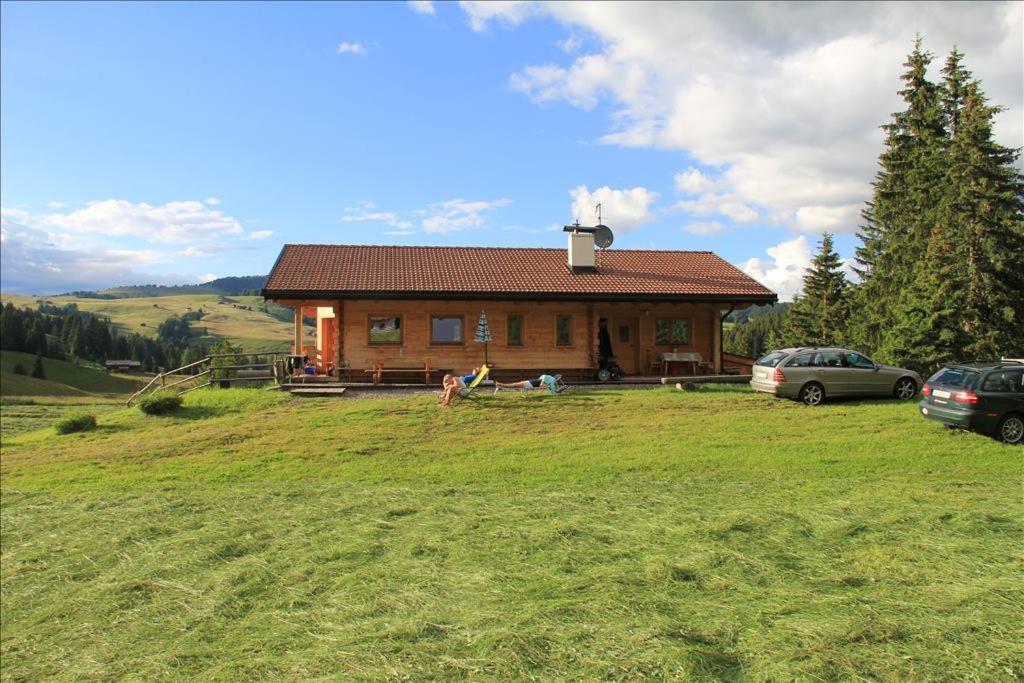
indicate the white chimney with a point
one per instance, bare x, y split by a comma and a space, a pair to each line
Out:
581, 251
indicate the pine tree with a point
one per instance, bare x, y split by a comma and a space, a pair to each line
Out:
983, 207
953, 91
38, 371
818, 316
901, 213
926, 332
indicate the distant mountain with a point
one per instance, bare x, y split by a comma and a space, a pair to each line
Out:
226, 286
754, 312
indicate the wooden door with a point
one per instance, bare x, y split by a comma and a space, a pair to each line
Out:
625, 344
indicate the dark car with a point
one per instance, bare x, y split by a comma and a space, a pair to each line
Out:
982, 397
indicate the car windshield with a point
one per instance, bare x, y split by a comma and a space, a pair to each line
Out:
772, 359
960, 378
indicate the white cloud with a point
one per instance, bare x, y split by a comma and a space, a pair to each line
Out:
346, 48
705, 228
361, 214
693, 181
570, 45
783, 272
458, 214
40, 262
259, 234
422, 6
508, 12
171, 223
212, 201
207, 277
835, 219
787, 98
13, 215
56, 205
622, 210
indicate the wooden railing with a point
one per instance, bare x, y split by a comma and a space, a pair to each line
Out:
208, 372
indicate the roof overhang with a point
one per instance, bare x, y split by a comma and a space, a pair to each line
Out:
521, 296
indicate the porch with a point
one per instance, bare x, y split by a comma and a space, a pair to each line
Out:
405, 342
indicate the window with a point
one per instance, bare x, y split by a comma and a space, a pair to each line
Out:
385, 329
828, 359
624, 334
669, 331
563, 330
1002, 381
514, 335
954, 377
446, 329
772, 359
857, 361
802, 360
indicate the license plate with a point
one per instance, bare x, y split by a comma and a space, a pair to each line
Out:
939, 393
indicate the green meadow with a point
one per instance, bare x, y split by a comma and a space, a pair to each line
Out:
621, 535
225, 317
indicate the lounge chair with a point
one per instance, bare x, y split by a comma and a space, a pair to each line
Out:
467, 393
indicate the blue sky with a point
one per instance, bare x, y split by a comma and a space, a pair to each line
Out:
177, 142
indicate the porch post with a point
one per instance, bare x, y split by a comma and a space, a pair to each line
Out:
338, 343
298, 330
716, 326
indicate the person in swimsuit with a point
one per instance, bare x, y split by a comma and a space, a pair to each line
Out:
453, 384
543, 382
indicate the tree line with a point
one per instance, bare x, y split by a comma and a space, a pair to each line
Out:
66, 333
941, 256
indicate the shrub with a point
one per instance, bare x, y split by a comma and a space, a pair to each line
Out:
19, 369
75, 423
160, 403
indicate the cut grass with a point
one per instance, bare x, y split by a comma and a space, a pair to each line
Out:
712, 535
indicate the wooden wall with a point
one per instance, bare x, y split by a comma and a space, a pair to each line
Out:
538, 351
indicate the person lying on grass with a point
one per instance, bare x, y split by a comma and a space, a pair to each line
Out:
543, 382
453, 384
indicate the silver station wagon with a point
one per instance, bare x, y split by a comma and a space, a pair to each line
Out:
813, 374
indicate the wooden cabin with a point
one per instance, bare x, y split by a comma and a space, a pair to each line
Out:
405, 313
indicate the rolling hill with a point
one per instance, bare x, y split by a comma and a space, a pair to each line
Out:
62, 378
243, 320
228, 286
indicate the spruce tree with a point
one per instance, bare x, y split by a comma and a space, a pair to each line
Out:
983, 209
38, 371
901, 213
818, 315
925, 332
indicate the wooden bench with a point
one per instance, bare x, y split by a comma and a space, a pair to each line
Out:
379, 370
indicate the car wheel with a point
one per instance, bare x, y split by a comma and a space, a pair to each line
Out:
905, 389
813, 394
1011, 429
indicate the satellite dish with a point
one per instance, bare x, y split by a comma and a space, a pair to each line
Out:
603, 236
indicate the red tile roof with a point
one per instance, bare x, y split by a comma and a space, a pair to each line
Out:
310, 270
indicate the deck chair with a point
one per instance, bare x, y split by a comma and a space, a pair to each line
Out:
468, 392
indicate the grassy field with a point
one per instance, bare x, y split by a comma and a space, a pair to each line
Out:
62, 378
254, 330
713, 535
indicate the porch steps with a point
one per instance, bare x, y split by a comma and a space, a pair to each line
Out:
317, 391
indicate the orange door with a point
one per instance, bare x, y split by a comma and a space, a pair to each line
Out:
326, 343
